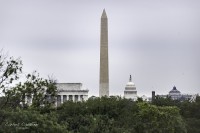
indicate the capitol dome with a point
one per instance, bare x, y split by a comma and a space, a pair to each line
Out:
130, 91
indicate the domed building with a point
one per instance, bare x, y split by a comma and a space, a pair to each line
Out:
130, 91
175, 94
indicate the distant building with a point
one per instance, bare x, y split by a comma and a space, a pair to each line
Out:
71, 91
176, 95
66, 91
130, 91
145, 98
153, 96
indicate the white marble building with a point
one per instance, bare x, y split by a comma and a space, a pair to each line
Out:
71, 91
66, 91
130, 91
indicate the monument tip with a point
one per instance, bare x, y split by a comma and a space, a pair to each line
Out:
104, 14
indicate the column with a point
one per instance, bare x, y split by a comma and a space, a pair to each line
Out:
55, 98
67, 97
61, 97
79, 98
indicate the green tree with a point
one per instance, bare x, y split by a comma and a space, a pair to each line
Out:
31, 121
42, 91
190, 112
151, 119
10, 70
160, 101
116, 115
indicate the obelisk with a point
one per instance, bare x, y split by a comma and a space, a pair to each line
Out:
104, 71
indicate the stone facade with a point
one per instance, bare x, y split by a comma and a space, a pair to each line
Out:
71, 91
66, 91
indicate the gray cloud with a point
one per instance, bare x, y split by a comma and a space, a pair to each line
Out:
156, 41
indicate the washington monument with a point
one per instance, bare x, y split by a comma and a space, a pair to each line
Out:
104, 70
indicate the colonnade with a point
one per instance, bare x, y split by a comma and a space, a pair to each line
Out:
74, 98
60, 99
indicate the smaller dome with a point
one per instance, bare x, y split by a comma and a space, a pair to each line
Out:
174, 90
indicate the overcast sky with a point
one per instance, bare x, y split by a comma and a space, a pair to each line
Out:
158, 42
